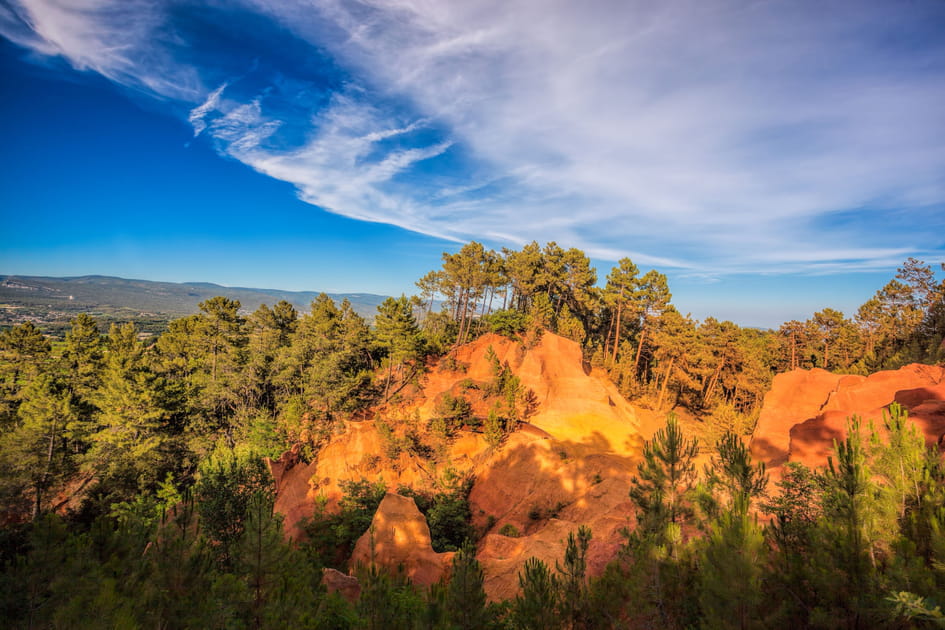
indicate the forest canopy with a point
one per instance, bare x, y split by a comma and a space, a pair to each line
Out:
163, 438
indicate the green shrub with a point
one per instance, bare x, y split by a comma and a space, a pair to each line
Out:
508, 323
454, 411
226, 484
331, 537
447, 511
450, 363
510, 531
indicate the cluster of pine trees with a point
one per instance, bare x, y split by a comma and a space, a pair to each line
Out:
630, 327
125, 411
859, 543
163, 437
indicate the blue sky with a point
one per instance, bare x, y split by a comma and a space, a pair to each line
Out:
772, 158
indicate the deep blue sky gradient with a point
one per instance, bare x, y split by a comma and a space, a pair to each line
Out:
92, 183
212, 146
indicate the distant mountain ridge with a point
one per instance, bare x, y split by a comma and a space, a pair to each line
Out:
115, 296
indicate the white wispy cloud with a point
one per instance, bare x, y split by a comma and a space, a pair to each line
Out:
199, 113
332, 169
121, 40
730, 129
710, 137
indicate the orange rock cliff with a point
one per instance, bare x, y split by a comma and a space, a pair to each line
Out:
570, 464
806, 410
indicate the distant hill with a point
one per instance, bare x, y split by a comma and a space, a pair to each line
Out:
52, 300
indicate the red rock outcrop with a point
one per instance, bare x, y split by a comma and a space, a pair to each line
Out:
357, 453
795, 397
805, 411
570, 464
573, 404
399, 540
544, 489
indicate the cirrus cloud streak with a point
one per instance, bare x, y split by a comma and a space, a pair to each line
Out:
710, 137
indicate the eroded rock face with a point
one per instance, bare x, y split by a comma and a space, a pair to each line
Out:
354, 454
574, 405
794, 426
569, 464
540, 491
795, 397
399, 540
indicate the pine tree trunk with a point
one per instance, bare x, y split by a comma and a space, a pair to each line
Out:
460, 316
636, 360
617, 331
712, 382
793, 351
44, 478
669, 369
610, 330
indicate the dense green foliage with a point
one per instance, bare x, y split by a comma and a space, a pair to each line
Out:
841, 549
331, 536
124, 412
164, 439
857, 544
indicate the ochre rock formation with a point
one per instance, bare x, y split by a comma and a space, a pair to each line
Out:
399, 540
806, 410
794, 397
354, 454
569, 464
544, 491
574, 405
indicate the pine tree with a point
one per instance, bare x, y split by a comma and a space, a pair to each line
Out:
570, 326
226, 486
651, 297
267, 564
540, 312
24, 351
536, 607
220, 341
732, 474
178, 563
83, 360
674, 338
621, 283
465, 597
35, 453
899, 459
664, 478
574, 602
730, 570
828, 323
524, 270
397, 332
325, 370
128, 442
851, 527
